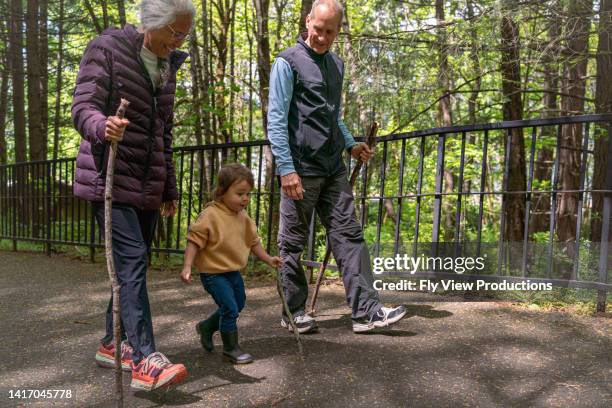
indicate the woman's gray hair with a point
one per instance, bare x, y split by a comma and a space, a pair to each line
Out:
156, 14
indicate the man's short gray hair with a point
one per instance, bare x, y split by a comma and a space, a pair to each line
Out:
156, 14
333, 4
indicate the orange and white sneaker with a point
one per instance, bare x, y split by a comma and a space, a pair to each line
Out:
105, 356
156, 371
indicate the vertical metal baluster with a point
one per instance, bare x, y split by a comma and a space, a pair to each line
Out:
60, 201
201, 179
483, 183
381, 198
180, 200
92, 235
54, 203
32, 199
7, 200
271, 208
15, 205
72, 200
459, 195
79, 201
3, 207
27, 194
40, 202
47, 169
213, 170
364, 179
190, 192
259, 171
437, 210
398, 218
583, 170
417, 217
248, 156
248, 165
553, 206
66, 201
528, 201
502, 227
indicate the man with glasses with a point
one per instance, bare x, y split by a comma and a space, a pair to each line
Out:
139, 65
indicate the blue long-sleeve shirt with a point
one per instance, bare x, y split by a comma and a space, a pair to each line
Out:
281, 92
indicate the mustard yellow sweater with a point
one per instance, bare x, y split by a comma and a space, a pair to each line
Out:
224, 238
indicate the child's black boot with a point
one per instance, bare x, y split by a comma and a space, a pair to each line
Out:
206, 329
231, 349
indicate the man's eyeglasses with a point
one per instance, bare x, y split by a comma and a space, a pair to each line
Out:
176, 35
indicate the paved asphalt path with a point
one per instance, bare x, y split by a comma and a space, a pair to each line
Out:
445, 353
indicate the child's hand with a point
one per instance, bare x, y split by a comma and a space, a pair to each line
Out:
186, 274
275, 261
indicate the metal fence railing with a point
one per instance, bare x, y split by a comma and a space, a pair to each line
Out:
446, 191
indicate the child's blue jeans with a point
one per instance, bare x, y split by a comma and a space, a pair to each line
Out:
227, 289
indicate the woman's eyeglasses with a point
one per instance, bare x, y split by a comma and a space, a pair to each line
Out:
176, 35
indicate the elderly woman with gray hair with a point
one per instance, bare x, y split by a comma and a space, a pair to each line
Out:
138, 64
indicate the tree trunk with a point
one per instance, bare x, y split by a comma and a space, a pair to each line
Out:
205, 86
304, 10
476, 68
263, 57
249, 30
232, 71
262, 36
444, 115
58, 80
17, 75
44, 75
211, 76
195, 69
279, 9
513, 110
121, 10
603, 104
572, 103
105, 21
540, 221
35, 138
3, 109
206, 81
4, 85
353, 99
94, 19
225, 11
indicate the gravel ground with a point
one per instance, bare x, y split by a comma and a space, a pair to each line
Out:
445, 353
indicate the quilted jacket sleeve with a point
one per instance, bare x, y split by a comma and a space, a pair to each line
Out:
92, 91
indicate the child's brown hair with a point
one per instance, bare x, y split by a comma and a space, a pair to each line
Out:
229, 174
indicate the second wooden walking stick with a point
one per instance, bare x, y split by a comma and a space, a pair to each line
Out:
281, 293
110, 264
370, 141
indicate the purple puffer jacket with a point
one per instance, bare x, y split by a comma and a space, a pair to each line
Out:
112, 69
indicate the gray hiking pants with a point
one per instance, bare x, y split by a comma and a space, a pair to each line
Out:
332, 197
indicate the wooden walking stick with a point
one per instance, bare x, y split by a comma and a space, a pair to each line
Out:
110, 264
279, 288
370, 141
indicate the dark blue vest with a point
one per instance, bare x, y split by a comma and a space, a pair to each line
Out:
314, 136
